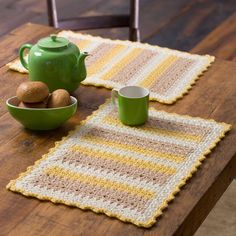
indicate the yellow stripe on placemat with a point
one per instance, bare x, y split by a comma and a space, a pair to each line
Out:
114, 144
122, 63
156, 130
125, 159
83, 43
160, 69
92, 180
106, 58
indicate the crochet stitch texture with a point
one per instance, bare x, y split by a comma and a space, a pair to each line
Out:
130, 173
168, 74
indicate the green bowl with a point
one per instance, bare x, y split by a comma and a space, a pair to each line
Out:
41, 118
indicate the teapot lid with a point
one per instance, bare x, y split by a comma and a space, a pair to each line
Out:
53, 42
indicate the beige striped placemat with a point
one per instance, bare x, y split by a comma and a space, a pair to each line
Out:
126, 172
168, 74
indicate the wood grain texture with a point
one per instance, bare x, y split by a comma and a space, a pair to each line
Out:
192, 23
10, 44
178, 24
221, 220
213, 96
221, 42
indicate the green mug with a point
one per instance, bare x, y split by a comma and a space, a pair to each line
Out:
133, 103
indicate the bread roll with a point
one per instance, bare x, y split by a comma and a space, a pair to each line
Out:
33, 105
32, 92
59, 98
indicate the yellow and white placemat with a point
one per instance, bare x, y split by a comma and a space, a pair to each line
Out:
126, 172
168, 74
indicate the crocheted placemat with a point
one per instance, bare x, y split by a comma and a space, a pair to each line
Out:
126, 172
168, 74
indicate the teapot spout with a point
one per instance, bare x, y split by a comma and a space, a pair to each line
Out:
81, 72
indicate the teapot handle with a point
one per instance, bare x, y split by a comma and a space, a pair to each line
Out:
21, 52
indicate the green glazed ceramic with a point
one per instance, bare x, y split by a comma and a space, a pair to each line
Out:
41, 118
133, 103
56, 62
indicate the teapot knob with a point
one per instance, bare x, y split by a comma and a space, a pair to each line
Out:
53, 37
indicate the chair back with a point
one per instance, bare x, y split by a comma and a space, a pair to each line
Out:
97, 22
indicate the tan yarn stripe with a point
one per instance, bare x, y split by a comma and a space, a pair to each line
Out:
98, 162
119, 137
134, 148
98, 54
178, 127
133, 67
105, 183
122, 63
124, 159
102, 55
170, 77
195, 130
109, 53
76, 187
156, 130
152, 77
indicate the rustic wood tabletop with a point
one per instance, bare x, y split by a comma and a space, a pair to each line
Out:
213, 96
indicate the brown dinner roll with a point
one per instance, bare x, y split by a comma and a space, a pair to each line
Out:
32, 92
33, 105
59, 98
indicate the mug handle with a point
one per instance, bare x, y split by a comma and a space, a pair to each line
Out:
114, 96
21, 53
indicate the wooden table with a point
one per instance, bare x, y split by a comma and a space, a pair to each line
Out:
214, 96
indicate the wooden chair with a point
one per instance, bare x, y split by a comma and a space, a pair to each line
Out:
98, 22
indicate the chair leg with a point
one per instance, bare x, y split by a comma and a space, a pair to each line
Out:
134, 33
52, 13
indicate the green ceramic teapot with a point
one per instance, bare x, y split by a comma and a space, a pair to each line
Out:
56, 62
